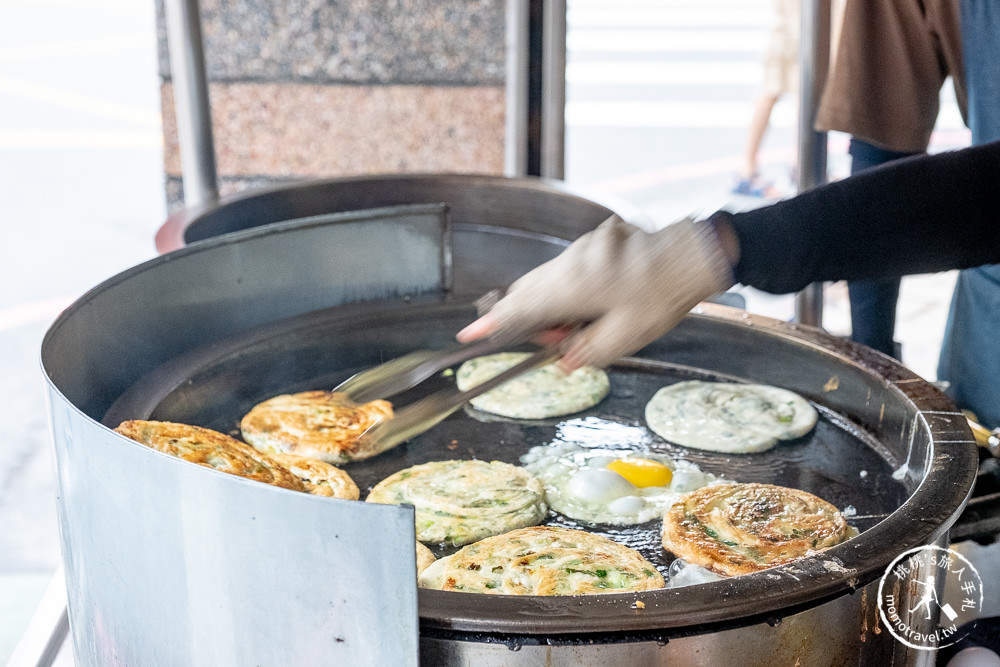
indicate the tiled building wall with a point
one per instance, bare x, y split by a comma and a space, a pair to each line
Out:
326, 88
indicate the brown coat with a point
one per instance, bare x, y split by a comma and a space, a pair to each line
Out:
891, 61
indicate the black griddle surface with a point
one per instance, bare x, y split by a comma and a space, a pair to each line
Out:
214, 386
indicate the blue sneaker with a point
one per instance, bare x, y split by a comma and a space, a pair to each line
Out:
754, 187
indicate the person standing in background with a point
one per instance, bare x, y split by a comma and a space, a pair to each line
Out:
892, 59
781, 77
970, 351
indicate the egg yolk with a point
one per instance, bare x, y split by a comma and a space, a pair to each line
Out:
642, 472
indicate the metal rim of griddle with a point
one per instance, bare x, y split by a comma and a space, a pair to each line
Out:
468, 196
924, 516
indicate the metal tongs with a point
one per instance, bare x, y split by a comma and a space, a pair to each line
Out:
989, 440
408, 371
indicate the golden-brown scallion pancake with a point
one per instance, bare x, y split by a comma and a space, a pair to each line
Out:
323, 425
424, 557
319, 477
210, 449
737, 529
543, 560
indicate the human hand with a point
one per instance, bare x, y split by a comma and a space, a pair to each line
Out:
626, 285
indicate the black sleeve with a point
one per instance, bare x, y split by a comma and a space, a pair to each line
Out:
918, 215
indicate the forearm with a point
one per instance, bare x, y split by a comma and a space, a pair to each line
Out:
913, 216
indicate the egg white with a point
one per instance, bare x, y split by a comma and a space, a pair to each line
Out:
579, 484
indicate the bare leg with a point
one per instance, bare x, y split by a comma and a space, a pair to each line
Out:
758, 127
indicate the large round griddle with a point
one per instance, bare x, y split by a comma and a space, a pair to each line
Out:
858, 458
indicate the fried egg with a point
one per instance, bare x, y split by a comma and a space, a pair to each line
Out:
612, 486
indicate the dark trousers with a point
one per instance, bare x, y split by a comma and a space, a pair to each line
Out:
873, 302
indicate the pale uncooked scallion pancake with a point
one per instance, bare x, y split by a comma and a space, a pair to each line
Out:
737, 529
543, 560
539, 394
458, 502
728, 417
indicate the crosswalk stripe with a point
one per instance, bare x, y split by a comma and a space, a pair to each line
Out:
597, 33
665, 41
631, 73
91, 104
687, 114
721, 42
82, 138
697, 114
55, 50
615, 17
762, 6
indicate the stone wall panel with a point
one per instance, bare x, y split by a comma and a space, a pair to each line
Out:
444, 42
300, 131
326, 88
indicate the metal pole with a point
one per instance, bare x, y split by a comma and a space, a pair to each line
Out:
516, 125
814, 63
191, 105
553, 158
